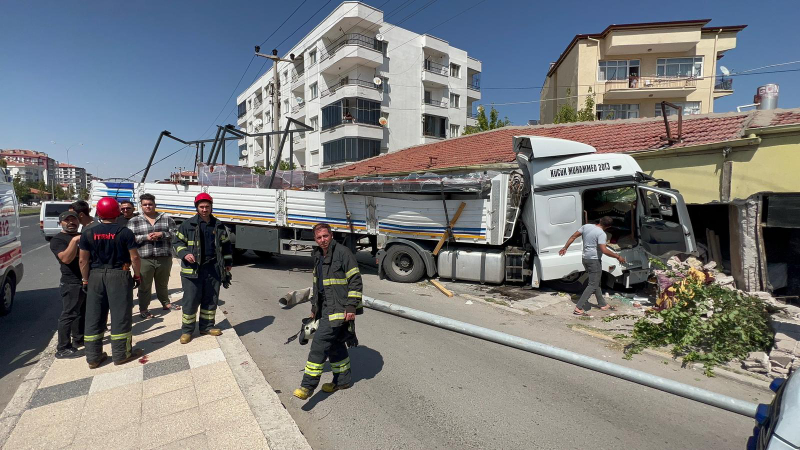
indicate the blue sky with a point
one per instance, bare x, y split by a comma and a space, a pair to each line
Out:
112, 75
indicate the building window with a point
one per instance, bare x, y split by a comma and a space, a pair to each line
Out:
454, 130
689, 108
314, 123
434, 126
455, 70
314, 91
312, 58
351, 110
455, 100
349, 150
617, 70
242, 109
285, 76
610, 112
680, 67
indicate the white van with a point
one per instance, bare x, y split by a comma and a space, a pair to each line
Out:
11, 268
48, 218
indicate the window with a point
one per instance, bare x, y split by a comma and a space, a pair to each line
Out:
349, 150
385, 85
688, 109
314, 91
312, 58
356, 110
434, 126
242, 109
454, 130
610, 112
562, 209
314, 123
285, 76
455, 100
680, 67
455, 70
617, 70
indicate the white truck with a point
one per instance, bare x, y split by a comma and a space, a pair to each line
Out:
494, 227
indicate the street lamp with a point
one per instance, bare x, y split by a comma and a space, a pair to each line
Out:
73, 145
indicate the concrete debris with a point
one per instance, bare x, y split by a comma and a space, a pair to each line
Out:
710, 265
468, 302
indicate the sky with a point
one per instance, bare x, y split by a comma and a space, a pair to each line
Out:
104, 78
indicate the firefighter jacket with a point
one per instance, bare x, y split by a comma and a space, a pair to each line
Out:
188, 239
341, 281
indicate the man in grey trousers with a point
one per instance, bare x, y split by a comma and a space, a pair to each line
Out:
594, 246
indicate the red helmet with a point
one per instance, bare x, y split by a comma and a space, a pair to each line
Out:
107, 208
203, 197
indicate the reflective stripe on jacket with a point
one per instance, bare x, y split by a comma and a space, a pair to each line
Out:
341, 280
187, 240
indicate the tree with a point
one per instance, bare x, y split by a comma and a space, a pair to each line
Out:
83, 194
259, 170
568, 113
485, 124
3, 163
59, 193
22, 189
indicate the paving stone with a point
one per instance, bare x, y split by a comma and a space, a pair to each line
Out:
781, 361
213, 382
92, 437
169, 403
105, 381
60, 392
113, 409
202, 358
196, 442
167, 383
164, 430
49, 426
165, 367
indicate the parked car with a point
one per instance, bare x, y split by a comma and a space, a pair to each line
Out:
48, 218
11, 268
778, 424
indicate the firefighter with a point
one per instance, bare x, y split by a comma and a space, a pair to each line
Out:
336, 301
109, 250
204, 248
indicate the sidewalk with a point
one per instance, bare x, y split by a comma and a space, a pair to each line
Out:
205, 394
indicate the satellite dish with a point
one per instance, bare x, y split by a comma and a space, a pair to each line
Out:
244, 152
378, 37
258, 122
300, 100
377, 81
724, 70
383, 121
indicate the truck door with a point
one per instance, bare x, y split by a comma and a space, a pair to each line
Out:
664, 226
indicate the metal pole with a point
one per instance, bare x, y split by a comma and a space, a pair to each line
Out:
224, 148
202, 150
275, 107
278, 156
637, 376
153, 155
219, 146
214, 145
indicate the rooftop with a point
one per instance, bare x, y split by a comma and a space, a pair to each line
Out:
613, 136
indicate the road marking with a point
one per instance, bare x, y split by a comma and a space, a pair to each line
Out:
37, 248
26, 226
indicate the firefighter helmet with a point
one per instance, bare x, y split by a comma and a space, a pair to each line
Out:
307, 331
202, 197
107, 208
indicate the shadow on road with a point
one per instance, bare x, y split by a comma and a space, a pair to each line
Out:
27, 330
366, 364
253, 325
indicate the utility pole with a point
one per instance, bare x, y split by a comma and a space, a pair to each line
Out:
275, 94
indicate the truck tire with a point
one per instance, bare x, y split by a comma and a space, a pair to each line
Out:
403, 264
7, 295
262, 254
570, 283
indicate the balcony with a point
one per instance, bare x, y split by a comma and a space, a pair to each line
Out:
257, 106
653, 41
298, 80
352, 129
299, 111
352, 88
352, 50
723, 87
474, 89
298, 142
661, 87
437, 103
434, 73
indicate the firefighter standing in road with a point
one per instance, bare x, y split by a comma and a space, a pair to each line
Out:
108, 250
335, 302
204, 248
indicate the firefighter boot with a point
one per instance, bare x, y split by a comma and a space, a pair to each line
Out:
135, 354
331, 388
186, 338
302, 393
101, 360
212, 332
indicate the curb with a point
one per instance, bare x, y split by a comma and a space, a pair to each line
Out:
719, 371
19, 402
276, 423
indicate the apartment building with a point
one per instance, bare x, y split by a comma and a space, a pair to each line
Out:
366, 87
33, 158
25, 172
69, 176
632, 68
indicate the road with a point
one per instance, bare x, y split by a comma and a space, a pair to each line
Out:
28, 329
417, 386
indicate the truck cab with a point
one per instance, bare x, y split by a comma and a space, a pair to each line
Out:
571, 185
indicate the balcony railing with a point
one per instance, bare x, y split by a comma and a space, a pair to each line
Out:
430, 66
297, 75
472, 115
724, 84
474, 86
297, 108
438, 103
652, 83
352, 39
257, 105
354, 82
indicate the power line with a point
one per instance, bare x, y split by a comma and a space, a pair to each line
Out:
284, 22
304, 23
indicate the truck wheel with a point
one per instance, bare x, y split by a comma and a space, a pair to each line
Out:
262, 254
403, 264
6, 296
570, 283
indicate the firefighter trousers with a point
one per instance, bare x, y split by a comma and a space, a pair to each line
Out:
328, 344
109, 290
201, 292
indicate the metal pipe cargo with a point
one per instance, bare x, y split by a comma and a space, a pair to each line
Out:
637, 376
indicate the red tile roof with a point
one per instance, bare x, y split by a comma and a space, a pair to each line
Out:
785, 118
67, 166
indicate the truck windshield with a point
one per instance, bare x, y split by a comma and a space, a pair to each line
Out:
619, 203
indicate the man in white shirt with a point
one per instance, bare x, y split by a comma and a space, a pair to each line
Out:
594, 246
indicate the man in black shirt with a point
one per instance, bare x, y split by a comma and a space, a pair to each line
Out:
126, 210
73, 298
110, 250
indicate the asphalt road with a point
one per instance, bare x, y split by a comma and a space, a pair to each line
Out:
417, 386
28, 329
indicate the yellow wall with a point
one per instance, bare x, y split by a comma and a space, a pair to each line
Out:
768, 167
